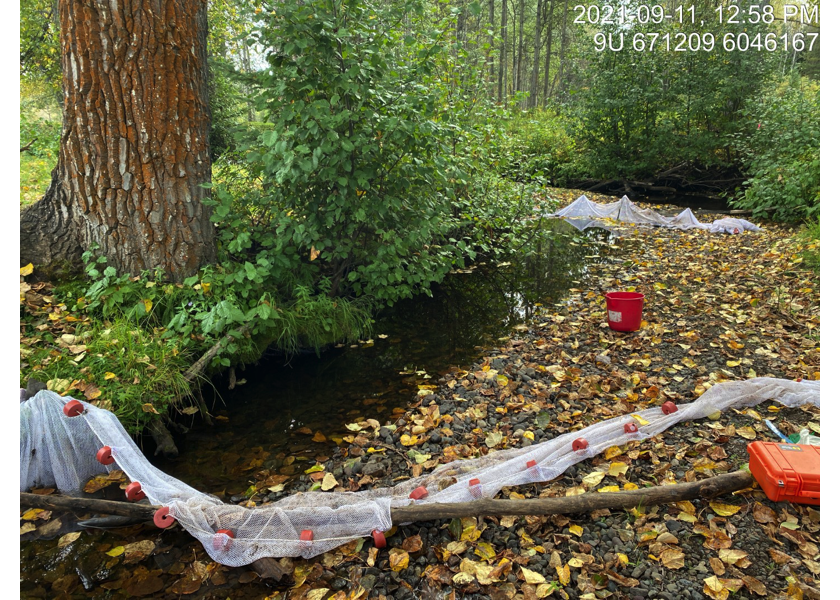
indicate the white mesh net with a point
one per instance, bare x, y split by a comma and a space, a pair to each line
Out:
60, 450
583, 213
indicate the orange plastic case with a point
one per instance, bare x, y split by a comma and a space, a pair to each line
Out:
787, 472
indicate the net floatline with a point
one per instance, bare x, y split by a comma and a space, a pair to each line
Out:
60, 450
583, 213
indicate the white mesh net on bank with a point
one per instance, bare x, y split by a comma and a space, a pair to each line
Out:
57, 450
583, 213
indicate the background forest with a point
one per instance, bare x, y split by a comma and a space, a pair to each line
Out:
362, 150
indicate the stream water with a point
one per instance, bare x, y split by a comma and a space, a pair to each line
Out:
281, 403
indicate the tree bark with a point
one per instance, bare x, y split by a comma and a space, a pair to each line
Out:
134, 149
663, 494
520, 70
550, 21
502, 95
491, 67
563, 44
535, 72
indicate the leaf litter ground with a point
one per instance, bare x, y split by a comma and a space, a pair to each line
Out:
717, 308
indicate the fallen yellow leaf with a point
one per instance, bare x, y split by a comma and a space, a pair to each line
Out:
672, 558
68, 539
328, 482
724, 510
612, 452
564, 575
593, 479
398, 559
532, 577
618, 468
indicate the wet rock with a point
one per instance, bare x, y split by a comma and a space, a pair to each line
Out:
374, 469
674, 526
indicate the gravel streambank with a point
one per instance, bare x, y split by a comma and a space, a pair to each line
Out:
709, 317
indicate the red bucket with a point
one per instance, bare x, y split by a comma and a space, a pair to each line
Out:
624, 310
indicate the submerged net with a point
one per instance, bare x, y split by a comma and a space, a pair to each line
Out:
57, 450
583, 213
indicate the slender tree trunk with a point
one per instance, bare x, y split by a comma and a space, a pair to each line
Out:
550, 21
514, 59
492, 70
245, 58
563, 45
519, 52
503, 58
535, 72
135, 141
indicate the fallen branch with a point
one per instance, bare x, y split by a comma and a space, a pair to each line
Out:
663, 494
198, 367
28, 146
746, 211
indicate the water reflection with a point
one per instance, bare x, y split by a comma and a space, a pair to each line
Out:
270, 416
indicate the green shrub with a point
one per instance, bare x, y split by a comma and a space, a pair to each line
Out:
218, 306
781, 152
364, 183
536, 143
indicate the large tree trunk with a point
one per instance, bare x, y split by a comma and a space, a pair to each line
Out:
135, 142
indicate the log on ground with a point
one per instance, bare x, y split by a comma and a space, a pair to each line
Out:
269, 568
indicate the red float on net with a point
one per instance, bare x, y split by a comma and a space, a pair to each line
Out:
631, 428
580, 444
163, 519
134, 491
104, 455
533, 471
222, 539
74, 408
378, 539
669, 408
419, 493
